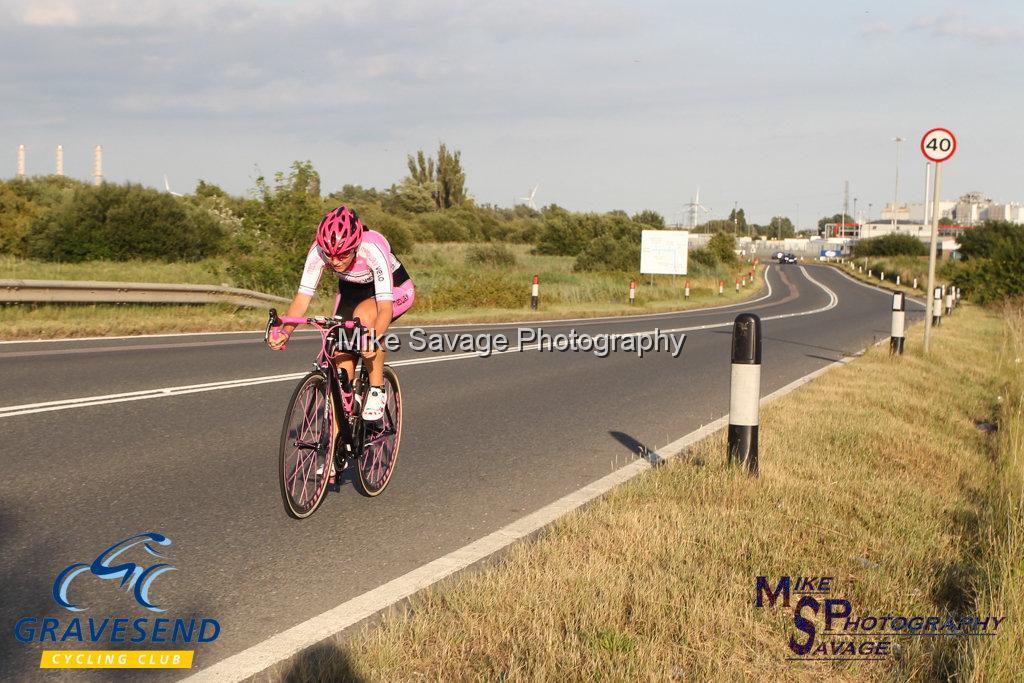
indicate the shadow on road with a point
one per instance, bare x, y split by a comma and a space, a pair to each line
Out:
323, 662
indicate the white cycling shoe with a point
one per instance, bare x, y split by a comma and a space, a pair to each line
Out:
376, 400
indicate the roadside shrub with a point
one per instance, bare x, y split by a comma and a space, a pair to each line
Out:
890, 245
474, 289
723, 246
441, 227
491, 254
703, 256
993, 266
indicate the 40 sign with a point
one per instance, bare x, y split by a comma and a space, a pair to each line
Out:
938, 145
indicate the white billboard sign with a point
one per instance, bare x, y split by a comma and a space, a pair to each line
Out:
664, 252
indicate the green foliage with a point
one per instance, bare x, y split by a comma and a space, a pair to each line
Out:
890, 245
566, 234
780, 227
723, 246
443, 180
17, 214
121, 222
491, 254
703, 256
739, 219
993, 266
651, 219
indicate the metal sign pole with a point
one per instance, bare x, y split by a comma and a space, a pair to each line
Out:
936, 193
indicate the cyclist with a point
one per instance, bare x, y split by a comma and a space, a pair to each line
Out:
373, 286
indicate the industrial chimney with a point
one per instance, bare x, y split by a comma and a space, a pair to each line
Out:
97, 169
21, 161
60, 160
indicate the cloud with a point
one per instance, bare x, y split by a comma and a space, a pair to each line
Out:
957, 25
877, 29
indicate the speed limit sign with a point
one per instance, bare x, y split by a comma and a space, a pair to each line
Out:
938, 144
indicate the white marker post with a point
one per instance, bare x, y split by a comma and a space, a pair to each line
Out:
898, 324
535, 293
949, 300
686, 290
937, 145
915, 283
745, 392
721, 287
897, 280
632, 291
936, 306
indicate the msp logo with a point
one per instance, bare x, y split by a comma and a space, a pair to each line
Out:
126, 563
850, 635
136, 577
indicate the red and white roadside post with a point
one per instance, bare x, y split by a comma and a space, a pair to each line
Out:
686, 290
937, 145
915, 283
721, 287
737, 286
632, 291
535, 293
949, 300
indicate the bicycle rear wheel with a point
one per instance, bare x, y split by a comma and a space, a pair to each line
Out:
380, 441
306, 441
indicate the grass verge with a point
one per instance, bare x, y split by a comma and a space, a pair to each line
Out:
450, 288
889, 487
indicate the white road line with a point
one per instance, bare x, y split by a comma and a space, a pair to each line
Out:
166, 392
428, 326
877, 288
294, 640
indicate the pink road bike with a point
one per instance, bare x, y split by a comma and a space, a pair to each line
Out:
323, 431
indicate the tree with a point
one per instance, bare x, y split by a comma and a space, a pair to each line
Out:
650, 218
723, 246
739, 220
780, 227
890, 245
993, 268
444, 178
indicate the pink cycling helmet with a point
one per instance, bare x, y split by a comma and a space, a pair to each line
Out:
339, 232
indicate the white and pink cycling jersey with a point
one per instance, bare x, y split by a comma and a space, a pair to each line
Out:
374, 263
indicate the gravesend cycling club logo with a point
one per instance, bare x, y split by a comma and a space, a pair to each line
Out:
132, 565
850, 635
137, 578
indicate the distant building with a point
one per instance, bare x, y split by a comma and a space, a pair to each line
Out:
969, 210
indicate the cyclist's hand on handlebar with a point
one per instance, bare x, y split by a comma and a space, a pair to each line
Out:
278, 338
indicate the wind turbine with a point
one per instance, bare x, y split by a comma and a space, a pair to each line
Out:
695, 206
529, 200
167, 185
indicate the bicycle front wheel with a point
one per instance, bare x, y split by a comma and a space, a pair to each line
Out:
380, 442
306, 441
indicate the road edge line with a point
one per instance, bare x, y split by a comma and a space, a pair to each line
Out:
292, 641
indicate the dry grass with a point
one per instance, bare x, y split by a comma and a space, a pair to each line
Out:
874, 474
436, 268
1001, 584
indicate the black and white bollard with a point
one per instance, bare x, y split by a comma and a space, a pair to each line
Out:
686, 290
535, 293
956, 299
721, 287
869, 272
745, 391
898, 322
882, 276
949, 300
632, 291
937, 307
915, 283
897, 280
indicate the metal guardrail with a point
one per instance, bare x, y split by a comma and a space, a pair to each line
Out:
90, 292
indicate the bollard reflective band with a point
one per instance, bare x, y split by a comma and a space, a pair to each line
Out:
744, 396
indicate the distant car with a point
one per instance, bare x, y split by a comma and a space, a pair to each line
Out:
778, 256
787, 258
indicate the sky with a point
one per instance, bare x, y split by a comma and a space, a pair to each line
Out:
770, 106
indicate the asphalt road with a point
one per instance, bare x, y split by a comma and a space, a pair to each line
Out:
486, 441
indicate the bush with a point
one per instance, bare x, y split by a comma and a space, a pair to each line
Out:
703, 256
993, 267
890, 245
723, 246
495, 255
